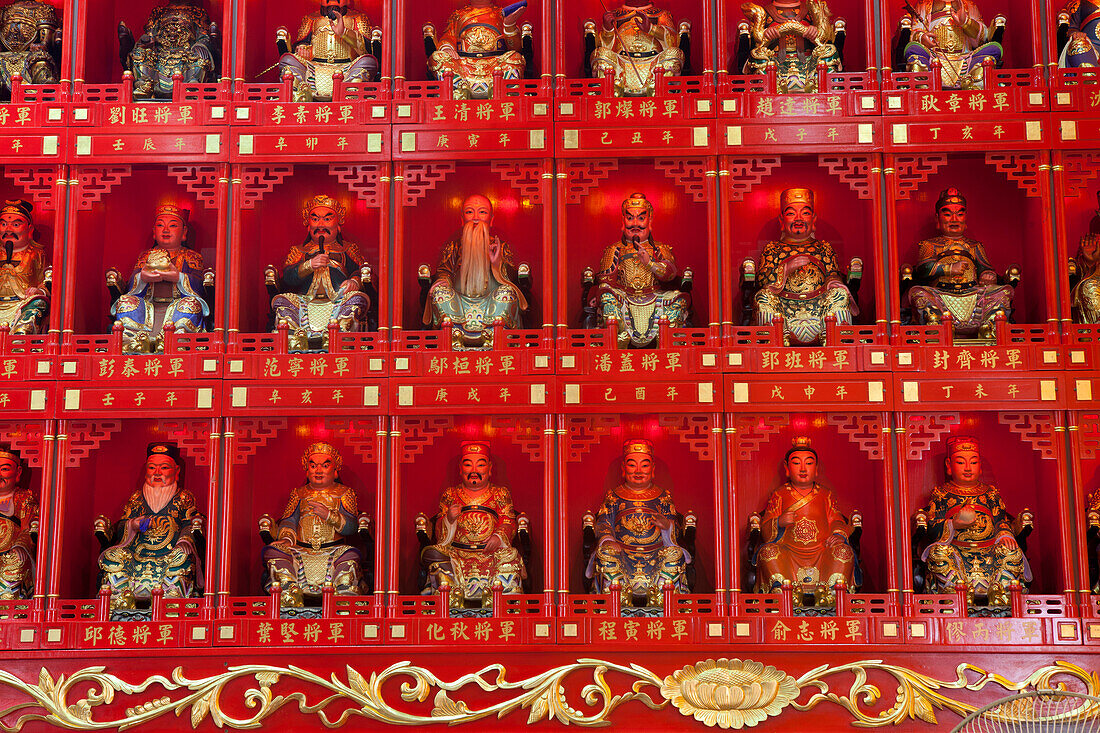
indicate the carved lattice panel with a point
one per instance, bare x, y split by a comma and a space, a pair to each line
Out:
94, 182
364, 180
359, 434
913, 171
25, 439
694, 431
525, 176
583, 433
755, 430
1019, 168
923, 431
420, 178
259, 180
85, 436
581, 176
201, 181
419, 433
745, 174
689, 174
38, 184
1088, 433
863, 430
192, 436
852, 170
252, 433
1080, 168
1034, 428
526, 432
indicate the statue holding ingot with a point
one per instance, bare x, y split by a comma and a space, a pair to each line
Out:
18, 530
480, 39
24, 272
335, 39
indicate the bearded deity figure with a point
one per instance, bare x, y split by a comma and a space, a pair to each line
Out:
24, 272
637, 531
474, 529
1079, 34
474, 288
953, 275
153, 545
636, 42
18, 530
952, 33
335, 39
30, 44
973, 539
322, 280
480, 39
179, 38
312, 542
167, 286
795, 36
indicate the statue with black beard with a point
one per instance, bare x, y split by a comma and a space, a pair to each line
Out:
24, 271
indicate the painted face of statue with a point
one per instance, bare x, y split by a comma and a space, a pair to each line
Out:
10, 471
169, 231
323, 222
636, 224
797, 221
15, 229
161, 471
964, 467
321, 471
951, 219
802, 469
474, 471
638, 471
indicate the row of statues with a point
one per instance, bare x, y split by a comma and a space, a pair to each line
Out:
636, 541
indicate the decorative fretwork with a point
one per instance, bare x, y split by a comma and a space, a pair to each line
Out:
745, 174
1021, 168
417, 434
420, 178
201, 181
95, 182
359, 434
913, 171
526, 431
924, 431
755, 430
1034, 428
362, 179
525, 176
581, 176
252, 433
259, 180
25, 438
191, 435
1088, 432
690, 174
694, 431
85, 436
852, 170
39, 184
583, 433
865, 430
1080, 168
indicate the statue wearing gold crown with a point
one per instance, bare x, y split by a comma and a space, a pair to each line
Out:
322, 279
637, 42
805, 535
799, 278
480, 39
474, 529
951, 32
178, 38
335, 39
30, 43
953, 275
24, 272
312, 542
637, 530
973, 538
18, 530
474, 284
632, 272
166, 286
153, 545
796, 36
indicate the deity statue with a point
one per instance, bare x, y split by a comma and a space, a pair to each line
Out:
799, 279
1079, 34
30, 44
805, 535
1084, 274
154, 543
18, 530
953, 275
179, 38
335, 39
167, 286
474, 529
635, 43
480, 38
973, 538
952, 33
322, 279
312, 542
474, 284
795, 35
638, 532
1092, 539
24, 271
631, 273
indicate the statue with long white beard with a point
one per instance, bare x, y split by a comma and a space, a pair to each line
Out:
474, 290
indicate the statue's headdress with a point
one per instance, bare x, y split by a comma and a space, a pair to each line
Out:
638, 445
796, 196
323, 201
950, 195
800, 444
961, 443
475, 447
172, 210
637, 200
19, 207
171, 450
324, 448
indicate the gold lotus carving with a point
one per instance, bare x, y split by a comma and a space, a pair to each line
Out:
730, 693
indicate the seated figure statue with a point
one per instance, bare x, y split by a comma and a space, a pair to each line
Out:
636, 42
179, 38
474, 284
30, 44
311, 544
973, 540
18, 530
1084, 273
24, 271
953, 275
799, 279
631, 273
335, 39
153, 545
952, 33
474, 529
795, 35
1079, 34
321, 279
805, 535
637, 531
480, 39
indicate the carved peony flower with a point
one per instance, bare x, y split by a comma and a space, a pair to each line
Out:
729, 693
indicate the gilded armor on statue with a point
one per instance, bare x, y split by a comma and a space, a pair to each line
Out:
636, 43
1084, 271
794, 36
178, 38
335, 39
312, 542
474, 528
24, 271
30, 44
167, 287
805, 535
153, 544
638, 535
480, 39
18, 530
1079, 26
952, 33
